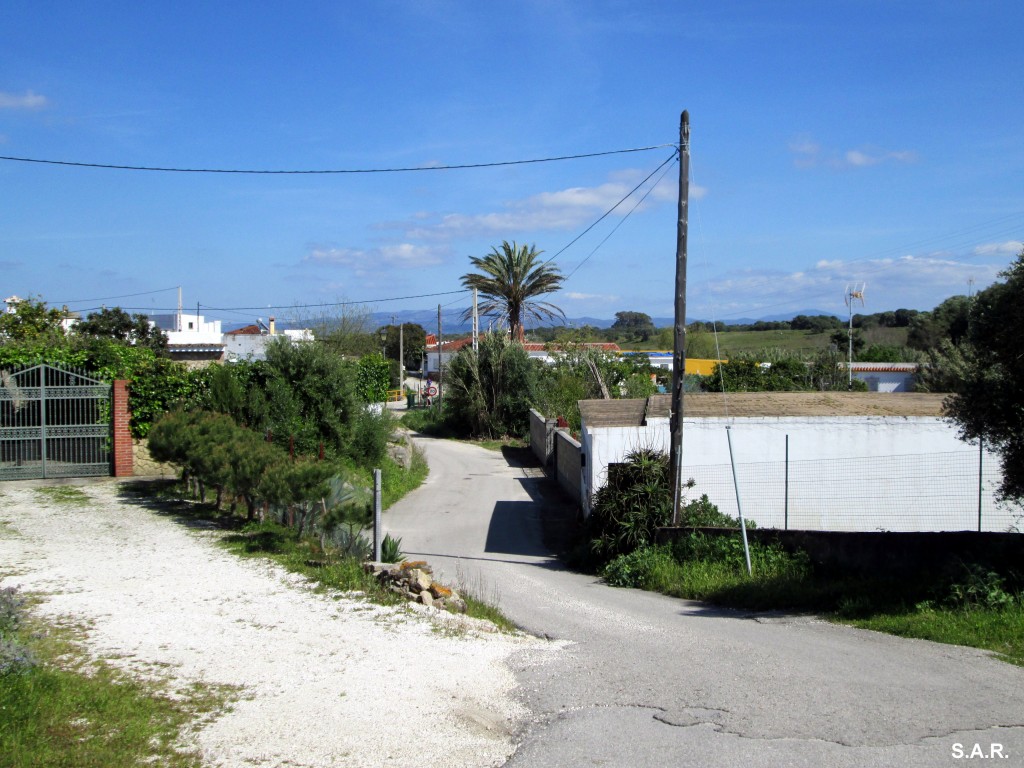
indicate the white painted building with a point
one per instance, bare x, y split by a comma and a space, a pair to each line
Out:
819, 461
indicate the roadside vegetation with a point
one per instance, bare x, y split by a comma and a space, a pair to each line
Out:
966, 604
59, 708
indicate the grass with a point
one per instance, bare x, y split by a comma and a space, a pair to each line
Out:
972, 607
68, 711
66, 495
998, 630
333, 571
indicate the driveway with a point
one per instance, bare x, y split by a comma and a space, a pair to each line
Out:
640, 679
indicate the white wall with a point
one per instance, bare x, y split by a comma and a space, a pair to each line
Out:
845, 473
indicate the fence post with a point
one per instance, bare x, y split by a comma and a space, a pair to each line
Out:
785, 524
981, 458
376, 516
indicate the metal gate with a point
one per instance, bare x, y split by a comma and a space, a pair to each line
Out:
54, 422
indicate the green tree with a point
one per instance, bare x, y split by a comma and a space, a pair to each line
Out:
989, 403
510, 279
633, 326
413, 343
117, 324
488, 392
31, 320
947, 321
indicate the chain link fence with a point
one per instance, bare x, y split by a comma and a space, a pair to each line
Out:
919, 492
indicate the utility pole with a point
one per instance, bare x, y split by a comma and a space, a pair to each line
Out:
401, 359
679, 339
476, 324
440, 366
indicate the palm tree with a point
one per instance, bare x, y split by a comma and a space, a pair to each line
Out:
511, 280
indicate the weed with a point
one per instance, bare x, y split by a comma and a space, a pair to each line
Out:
68, 710
64, 494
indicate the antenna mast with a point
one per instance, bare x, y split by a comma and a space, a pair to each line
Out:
854, 293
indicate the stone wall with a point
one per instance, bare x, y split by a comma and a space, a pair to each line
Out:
145, 465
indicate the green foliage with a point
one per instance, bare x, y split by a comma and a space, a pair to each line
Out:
413, 343
510, 279
979, 587
373, 379
988, 403
488, 393
391, 550
32, 321
577, 372
643, 568
134, 330
633, 326
948, 321
634, 502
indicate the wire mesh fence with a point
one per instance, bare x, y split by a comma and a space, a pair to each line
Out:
919, 492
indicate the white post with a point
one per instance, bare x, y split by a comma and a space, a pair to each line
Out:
377, 538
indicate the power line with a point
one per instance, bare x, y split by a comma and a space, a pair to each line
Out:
123, 296
264, 172
607, 213
623, 219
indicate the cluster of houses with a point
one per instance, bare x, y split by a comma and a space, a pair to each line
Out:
194, 340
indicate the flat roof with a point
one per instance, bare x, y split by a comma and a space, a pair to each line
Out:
614, 413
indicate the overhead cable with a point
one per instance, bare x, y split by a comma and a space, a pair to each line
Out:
266, 172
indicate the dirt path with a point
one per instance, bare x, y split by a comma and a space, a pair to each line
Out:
325, 681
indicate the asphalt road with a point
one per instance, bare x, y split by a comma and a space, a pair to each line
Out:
640, 679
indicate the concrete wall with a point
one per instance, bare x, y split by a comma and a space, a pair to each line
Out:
541, 436
567, 464
843, 473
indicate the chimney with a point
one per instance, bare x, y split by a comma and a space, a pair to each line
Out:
272, 327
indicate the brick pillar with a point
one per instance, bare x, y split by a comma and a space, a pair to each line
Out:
122, 430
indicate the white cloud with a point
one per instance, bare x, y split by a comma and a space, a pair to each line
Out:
911, 281
375, 260
576, 296
562, 209
810, 154
27, 100
1011, 247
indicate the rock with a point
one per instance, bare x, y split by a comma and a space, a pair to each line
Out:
426, 598
419, 580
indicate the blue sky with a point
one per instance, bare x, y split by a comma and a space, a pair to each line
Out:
831, 143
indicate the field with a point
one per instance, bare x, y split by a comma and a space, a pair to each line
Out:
702, 345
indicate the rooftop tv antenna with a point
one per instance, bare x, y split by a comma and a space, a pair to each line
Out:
854, 293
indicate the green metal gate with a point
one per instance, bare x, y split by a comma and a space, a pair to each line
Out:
54, 422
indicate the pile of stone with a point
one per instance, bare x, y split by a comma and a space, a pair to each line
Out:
414, 580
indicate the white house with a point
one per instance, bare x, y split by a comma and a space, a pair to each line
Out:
822, 461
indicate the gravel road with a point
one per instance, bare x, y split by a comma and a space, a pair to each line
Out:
323, 680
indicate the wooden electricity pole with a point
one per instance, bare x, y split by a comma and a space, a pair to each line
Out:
679, 340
